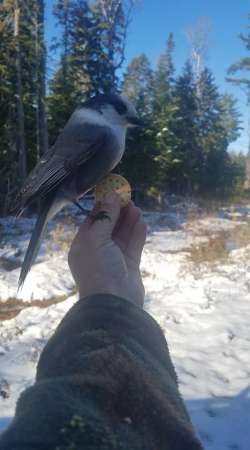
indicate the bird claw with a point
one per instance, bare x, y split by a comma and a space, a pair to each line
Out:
83, 210
99, 215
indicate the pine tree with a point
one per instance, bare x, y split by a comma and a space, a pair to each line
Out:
8, 156
20, 137
114, 19
138, 163
218, 125
164, 76
92, 49
18, 92
230, 117
61, 101
186, 164
164, 111
41, 116
31, 43
242, 65
137, 84
71, 83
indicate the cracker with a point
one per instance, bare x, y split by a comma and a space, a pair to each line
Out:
114, 183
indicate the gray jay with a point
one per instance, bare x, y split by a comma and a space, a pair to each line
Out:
89, 147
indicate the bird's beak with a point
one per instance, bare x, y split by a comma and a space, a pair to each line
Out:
135, 121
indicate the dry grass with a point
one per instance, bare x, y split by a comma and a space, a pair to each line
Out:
62, 237
218, 247
210, 252
12, 307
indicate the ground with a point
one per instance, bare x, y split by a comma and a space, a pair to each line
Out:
196, 273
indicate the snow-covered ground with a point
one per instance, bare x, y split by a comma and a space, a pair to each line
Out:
196, 271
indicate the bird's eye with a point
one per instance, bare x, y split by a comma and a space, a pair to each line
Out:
120, 107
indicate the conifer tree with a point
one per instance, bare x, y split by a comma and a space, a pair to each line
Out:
61, 101
40, 50
8, 151
164, 76
19, 93
138, 163
238, 74
242, 65
184, 173
218, 125
114, 19
81, 71
92, 50
164, 111
20, 133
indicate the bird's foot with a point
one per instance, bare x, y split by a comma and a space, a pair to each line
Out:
83, 210
98, 215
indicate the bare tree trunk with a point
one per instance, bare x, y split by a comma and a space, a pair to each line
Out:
20, 138
41, 117
112, 10
198, 38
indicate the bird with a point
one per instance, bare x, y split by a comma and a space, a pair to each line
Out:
89, 147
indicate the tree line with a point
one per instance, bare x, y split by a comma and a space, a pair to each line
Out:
189, 124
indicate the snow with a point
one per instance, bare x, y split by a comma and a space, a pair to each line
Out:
202, 306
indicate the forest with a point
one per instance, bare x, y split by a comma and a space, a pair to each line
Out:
189, 123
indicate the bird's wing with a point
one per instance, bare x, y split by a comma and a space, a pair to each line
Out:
76, 144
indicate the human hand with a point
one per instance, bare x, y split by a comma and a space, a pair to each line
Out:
105, 255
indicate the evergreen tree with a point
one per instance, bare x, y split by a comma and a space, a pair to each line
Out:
114, 18
218, 125
164, 111
138, 163
61, 101
20, 134
230, 117
137, 84
18, 93
82, 68
8, 151
41, 116
238, 162
242, 65
92, 49
186, 164
164, 76
33, 78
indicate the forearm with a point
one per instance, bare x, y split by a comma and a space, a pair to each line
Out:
107, 364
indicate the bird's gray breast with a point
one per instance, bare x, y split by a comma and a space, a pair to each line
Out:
105, 159
107, 154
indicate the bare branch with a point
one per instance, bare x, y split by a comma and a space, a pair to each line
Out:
198, 38
111, 10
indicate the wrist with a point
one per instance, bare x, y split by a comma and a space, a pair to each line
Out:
100, 288
133, 291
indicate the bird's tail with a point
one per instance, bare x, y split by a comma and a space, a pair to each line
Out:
35, 240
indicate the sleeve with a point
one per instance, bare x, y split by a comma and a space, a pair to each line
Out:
105, 381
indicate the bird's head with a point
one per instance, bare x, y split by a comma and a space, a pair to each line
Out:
116, 109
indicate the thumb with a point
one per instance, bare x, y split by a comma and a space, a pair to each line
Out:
104, 216
137, 241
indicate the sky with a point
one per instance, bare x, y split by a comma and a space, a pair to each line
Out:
154, 19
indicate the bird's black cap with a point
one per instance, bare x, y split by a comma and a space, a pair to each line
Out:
99, 101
